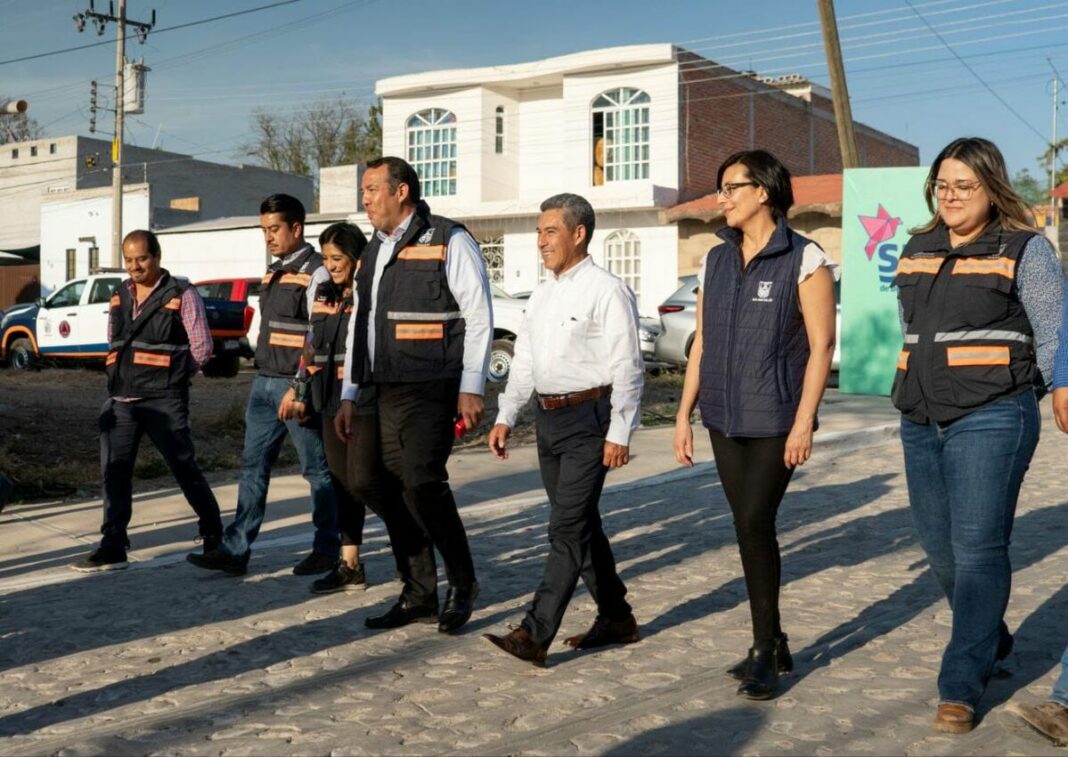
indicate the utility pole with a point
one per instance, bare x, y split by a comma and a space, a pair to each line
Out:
843, 114
1053, 140
100, 21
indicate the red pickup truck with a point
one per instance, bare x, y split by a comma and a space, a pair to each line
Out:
245, 291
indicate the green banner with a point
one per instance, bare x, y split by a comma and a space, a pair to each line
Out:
879, 206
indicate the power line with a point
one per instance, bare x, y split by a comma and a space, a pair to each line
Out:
176, 27
974, 73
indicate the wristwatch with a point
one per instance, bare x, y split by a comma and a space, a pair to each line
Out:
301, 390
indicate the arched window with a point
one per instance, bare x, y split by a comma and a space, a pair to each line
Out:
432, 150
498, 130
623, 257
620, 136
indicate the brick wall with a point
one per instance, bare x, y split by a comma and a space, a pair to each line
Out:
722, 112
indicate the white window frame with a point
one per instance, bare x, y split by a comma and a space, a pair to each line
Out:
624, 115
431, 148
623, 257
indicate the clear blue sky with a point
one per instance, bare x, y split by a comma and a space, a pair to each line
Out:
207, 80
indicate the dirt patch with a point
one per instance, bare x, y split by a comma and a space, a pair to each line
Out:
50, 447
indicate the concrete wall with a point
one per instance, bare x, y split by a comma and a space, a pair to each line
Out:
339, 189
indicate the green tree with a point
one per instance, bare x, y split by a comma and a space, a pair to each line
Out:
1029, 189
1043, 161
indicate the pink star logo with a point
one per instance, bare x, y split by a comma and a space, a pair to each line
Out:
879, 228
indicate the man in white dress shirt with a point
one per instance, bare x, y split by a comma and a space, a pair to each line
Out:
578, 350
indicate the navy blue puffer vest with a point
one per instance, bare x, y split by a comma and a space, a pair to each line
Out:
755, 347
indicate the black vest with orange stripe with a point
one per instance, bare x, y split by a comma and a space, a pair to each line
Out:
968, 341
149, 356
419, 331
284, 314
330, 317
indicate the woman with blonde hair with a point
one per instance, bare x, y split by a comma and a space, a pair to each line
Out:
980, 293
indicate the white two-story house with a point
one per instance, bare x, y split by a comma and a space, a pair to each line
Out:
634, 129
491, 143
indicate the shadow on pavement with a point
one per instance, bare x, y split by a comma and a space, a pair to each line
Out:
722, 732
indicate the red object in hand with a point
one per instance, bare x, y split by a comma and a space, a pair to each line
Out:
459, 427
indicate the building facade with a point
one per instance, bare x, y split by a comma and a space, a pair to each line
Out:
636, 130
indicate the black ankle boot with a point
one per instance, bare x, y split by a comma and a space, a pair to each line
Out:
786, 662
761, 673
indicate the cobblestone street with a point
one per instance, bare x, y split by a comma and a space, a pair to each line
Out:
166, 659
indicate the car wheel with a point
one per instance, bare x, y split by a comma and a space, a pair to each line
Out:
21, 356
500, 362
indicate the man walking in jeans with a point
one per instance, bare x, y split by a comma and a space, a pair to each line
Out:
286, 299
1050, 719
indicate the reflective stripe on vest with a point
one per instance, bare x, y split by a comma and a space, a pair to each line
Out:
984, 335
299, 279
963, 356
175, 303
111, 358
919, 265
423, 252
279, 339
903, 360
978, 266
409, 331
396, 315
148, 358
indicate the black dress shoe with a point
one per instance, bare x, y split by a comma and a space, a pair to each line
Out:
315, 564
216, 559
403, 613
761, 674
457, 610
785, 661
211, 542
519, 644
604, 632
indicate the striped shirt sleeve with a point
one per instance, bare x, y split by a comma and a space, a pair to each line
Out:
195, 320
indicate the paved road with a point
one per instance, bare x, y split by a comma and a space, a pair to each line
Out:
163, 658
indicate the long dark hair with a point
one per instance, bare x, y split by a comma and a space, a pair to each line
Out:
983, 157
346, 237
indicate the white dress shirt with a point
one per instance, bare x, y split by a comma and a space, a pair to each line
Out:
579, 331
465, 272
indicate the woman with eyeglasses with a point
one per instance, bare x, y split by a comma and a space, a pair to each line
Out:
980, 293
757, 368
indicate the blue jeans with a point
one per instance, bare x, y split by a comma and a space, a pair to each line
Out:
264, 435
1060, 689
963, 480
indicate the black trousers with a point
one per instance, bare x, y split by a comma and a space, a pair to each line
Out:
571, 457
345, 463
166, 421
754, 479
415, 423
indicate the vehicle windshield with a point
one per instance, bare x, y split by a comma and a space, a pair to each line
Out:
68, 296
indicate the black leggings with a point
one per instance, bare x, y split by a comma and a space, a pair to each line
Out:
754, 478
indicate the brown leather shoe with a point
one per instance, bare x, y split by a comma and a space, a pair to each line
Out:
519, 644
604, 632
954, 718
1048, 720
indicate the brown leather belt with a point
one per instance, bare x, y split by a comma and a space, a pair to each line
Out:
558, 401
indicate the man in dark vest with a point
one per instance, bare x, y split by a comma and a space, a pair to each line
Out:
158, 338
286, 299
421, 333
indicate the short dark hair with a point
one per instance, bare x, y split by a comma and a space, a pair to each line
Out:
346, 237
149, 239
766, 171
577, 211
400, 172
290, 207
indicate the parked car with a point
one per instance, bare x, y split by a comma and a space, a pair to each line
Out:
72, 324
244, 290
507, 318
678, 320
648, 331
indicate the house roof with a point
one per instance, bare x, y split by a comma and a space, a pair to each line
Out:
1061, 190
812, 194
534, 74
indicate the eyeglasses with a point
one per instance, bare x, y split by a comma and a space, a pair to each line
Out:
962, 190
728, 189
